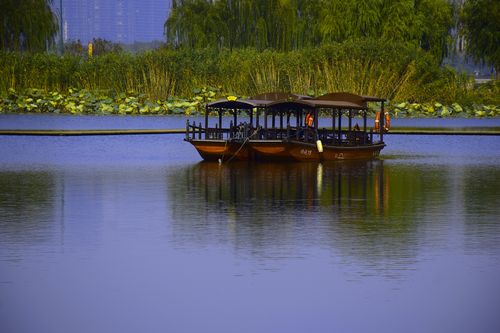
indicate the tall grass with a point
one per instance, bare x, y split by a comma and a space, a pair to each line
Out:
395, 71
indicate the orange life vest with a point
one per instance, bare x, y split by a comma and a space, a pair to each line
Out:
377, 120
309, 120
387, 118
387, 121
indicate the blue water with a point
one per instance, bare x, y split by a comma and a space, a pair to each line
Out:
134, 234
54, 121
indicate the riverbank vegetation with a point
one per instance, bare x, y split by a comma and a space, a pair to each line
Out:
99, 103
392, 49
396, 71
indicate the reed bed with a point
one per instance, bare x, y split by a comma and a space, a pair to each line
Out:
397, 72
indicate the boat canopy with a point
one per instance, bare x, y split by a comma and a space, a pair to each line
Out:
373, 99
279, 96
261, 100
291, 104
279, 100
348, 98
240, 104
327, 101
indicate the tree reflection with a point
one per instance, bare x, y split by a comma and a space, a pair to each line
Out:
481, 204
26, 204
368, 209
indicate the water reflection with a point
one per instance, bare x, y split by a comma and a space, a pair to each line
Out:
364, 209
26, 206
302, 186
378, 212
481, 204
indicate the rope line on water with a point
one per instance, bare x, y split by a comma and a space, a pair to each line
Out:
241, 147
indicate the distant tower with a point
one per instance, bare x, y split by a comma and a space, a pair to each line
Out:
120, 21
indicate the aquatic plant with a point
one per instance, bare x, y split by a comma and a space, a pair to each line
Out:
439, 110
82, 101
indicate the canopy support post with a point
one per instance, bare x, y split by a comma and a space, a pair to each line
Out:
365, 111
382, 122
333, 125
340, 126
206, 122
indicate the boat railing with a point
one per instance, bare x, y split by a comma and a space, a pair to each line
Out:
197, 131
243, 131
272, 134
345, 137
194, 131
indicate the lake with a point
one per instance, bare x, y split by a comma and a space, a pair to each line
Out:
135, 234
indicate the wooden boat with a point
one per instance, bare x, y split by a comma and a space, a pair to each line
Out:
229, 141
308, 142
293, 132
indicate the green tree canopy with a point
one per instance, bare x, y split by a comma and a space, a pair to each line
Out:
295, 24
481, 28
26, 25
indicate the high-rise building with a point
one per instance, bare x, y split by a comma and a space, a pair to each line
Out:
120, 21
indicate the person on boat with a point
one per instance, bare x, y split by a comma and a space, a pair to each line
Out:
357, 135
309, 119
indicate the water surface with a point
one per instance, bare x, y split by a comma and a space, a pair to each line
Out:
133, 233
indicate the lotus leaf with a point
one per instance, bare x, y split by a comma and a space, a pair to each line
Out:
457, 108
445, 112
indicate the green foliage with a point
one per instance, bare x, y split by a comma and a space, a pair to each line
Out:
296, 24
83, 101
102, 46
26, 25
481, 27
396, 71
439, 110
75, 101
365, 66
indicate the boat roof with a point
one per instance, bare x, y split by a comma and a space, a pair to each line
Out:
373, 99
349, 97
312, 104
261, 100
336, 100
278, 96
224, 103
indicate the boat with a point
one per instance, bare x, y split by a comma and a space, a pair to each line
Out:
289, 129
226, 139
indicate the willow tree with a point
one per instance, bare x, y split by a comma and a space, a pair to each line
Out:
481, 28
26, 25
294, 24
435, 19
277, 24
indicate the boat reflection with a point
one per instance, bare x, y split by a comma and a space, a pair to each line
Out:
358, 186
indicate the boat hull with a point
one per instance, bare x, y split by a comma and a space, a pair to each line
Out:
301, 151
213, 150
278, 150
270, 150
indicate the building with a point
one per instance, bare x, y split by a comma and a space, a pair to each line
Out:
120, 21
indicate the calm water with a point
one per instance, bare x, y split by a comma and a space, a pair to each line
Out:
134, 234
